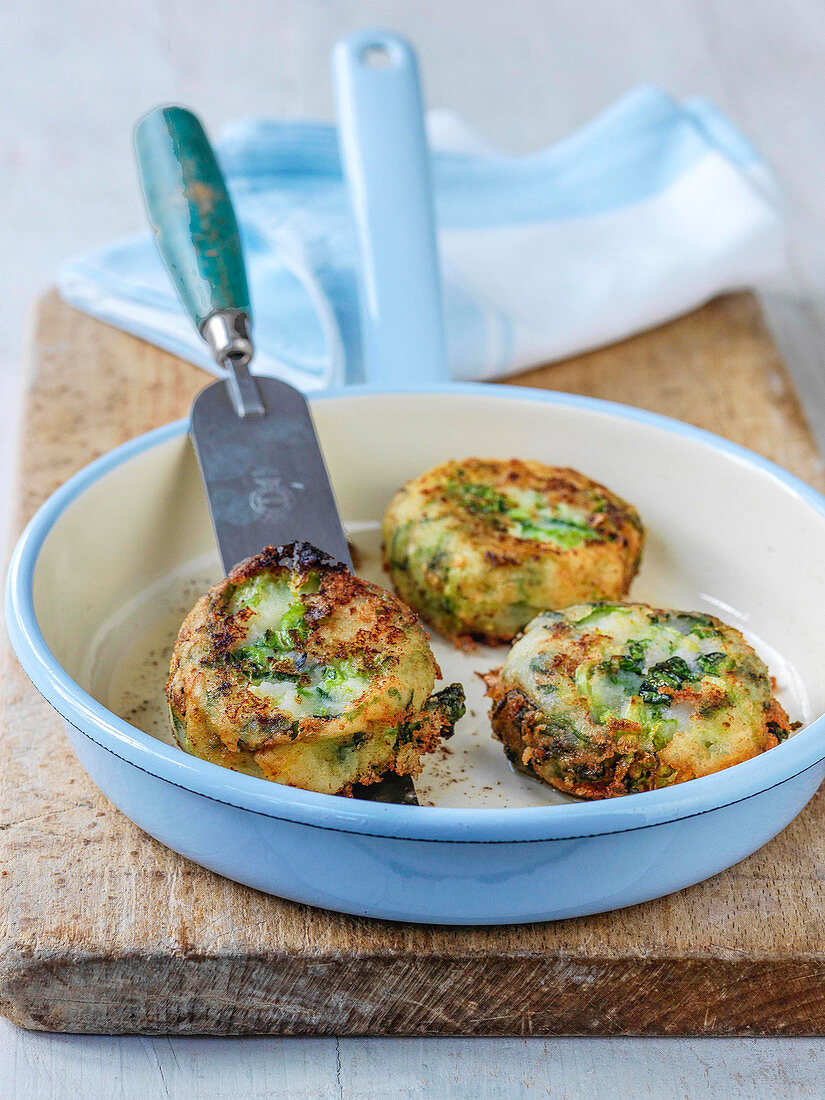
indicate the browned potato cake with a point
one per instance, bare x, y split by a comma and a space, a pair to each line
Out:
608, 699
294, 669
479, 547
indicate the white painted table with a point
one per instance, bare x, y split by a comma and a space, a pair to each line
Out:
73, 79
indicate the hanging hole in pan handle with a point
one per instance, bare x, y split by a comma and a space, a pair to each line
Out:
377, 55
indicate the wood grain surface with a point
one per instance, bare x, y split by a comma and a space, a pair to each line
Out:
106, 931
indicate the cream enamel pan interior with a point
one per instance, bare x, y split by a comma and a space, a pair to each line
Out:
105, 571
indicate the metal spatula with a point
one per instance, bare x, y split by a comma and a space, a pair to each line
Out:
262, 466
261, 462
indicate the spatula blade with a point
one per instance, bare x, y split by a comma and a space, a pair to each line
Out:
265, 477
392, 788
267, 485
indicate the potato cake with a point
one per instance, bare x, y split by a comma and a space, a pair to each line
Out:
479, 547
294, 669
608, 699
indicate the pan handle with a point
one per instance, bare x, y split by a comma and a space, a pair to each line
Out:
386, 164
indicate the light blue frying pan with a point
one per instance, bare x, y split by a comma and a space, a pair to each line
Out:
726, 527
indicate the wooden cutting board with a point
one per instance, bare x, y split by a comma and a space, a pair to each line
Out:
104, 930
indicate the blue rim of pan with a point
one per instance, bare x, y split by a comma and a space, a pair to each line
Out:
446, 824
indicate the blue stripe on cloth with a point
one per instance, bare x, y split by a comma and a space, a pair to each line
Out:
632, 150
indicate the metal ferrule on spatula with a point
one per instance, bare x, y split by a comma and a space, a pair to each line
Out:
226, 331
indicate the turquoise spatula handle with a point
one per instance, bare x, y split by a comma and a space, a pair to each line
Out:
191, 213
197, 236
384, 149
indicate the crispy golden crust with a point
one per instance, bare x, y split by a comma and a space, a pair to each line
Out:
249, 692
644, 698
461, 549
365, 763
608, 766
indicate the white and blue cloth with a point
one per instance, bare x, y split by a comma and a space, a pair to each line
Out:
646, 212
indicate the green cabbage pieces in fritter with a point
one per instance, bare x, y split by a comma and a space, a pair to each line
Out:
607, 699
294, 669
479, 547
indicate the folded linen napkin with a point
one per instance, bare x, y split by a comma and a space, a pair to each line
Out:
649, 210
